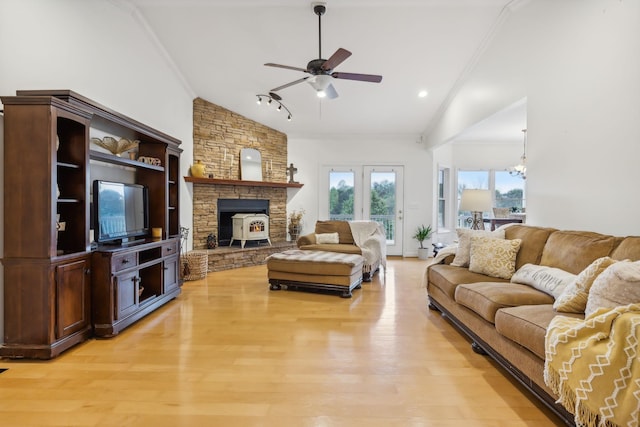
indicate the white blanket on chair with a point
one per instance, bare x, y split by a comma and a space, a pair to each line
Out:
370, 237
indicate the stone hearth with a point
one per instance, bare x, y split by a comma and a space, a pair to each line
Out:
227, 258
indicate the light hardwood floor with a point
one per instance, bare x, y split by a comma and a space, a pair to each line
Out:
230, 352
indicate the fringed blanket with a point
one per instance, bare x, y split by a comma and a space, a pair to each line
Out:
594, 366
370, 237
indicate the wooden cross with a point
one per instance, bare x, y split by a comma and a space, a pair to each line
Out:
291, 170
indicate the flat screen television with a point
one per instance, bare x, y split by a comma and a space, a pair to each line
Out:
121, 211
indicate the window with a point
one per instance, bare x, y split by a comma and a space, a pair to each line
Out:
507, 191
444, 190
341, 195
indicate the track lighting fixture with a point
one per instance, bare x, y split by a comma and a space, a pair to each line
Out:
271, 97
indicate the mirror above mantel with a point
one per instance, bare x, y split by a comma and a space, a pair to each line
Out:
250, 165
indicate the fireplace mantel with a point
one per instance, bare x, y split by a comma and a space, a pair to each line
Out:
213, 181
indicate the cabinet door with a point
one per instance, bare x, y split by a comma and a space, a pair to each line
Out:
73, 305
126, 288
170, 274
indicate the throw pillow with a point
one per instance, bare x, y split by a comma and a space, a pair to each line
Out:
493, 257
618, 285
324, 238
549, 280
463, 253
574, 297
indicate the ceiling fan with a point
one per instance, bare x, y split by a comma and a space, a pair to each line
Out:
321, 70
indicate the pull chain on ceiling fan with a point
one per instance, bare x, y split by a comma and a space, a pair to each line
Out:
321, 70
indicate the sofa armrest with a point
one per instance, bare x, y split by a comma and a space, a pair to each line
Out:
307, 239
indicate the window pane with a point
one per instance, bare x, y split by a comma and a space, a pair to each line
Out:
509, 191
383, 201
341, 195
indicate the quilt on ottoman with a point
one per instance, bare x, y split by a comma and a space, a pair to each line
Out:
315, 269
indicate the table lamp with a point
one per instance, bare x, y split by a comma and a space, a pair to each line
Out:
476, 201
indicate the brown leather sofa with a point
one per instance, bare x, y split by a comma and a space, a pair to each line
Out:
373, 247
508, 321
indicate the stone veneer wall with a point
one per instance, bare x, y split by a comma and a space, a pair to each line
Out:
216, 129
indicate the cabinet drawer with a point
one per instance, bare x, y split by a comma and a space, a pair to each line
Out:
169, 249
120, 262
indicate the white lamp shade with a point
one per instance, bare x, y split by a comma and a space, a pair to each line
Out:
320, 82
476, 200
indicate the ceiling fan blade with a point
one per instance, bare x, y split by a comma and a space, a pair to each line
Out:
331, 92
336, 59
360, 77
270, 64
289, 84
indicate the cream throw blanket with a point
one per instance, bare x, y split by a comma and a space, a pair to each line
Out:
371, 238
594, 366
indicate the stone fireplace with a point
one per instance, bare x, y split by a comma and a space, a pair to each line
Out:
218, 136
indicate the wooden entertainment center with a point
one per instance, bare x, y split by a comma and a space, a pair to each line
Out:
59, 290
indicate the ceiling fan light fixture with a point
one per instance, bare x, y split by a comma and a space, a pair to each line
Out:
320, 84
259, 101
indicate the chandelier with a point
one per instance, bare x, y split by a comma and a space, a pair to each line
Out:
521, 168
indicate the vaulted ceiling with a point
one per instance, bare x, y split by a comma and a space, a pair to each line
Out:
219, 47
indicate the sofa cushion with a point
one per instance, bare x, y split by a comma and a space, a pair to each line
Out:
463, 253
448, 277
527, 325
494, 257
573, 251
325, 238
549, 280
485, 298
574, 297
341, 227
629, 248
533, 241
618, 285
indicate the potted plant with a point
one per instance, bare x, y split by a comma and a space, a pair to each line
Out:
423, 233
295, 224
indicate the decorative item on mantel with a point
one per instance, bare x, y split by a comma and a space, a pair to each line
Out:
198, 169
295, 224
115, 147
291, 170
268, 169
227, 164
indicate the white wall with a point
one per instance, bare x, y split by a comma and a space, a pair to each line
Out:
310, 155
100, 50
577, 62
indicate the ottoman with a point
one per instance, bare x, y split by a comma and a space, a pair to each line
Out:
315, 270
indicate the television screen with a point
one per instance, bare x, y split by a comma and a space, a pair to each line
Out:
121, 211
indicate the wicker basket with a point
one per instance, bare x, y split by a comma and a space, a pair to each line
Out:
193, 265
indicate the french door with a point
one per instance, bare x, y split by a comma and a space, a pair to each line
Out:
372, 192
